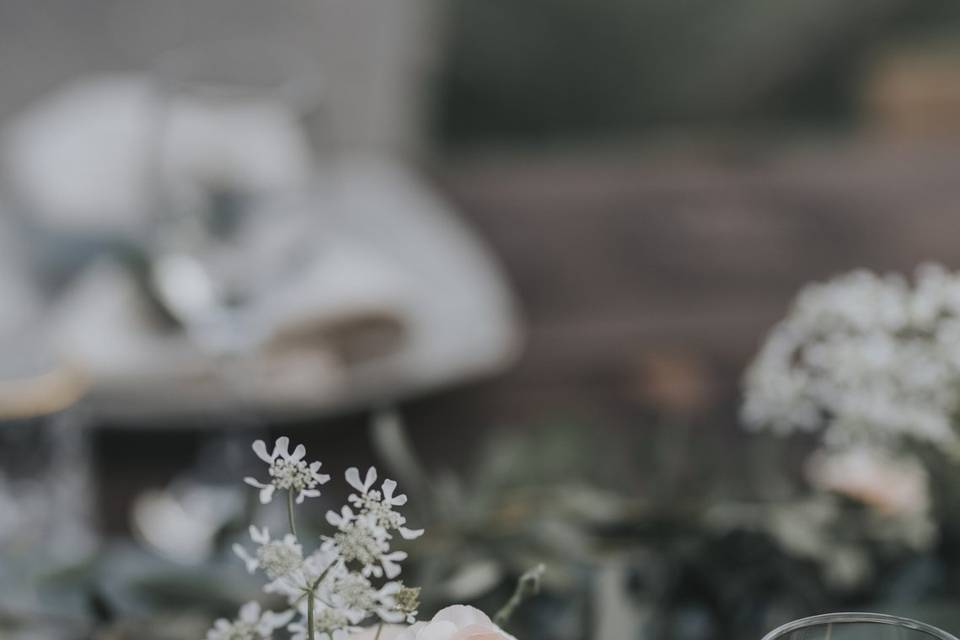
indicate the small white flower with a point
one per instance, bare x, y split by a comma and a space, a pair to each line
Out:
353, 594
380, 503
319, 564
277, 558
363, 541
363, 537
252, 624
288, 471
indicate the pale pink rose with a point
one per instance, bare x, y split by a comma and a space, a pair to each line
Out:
458, 622
893, 486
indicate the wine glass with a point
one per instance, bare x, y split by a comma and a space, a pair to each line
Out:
857, 626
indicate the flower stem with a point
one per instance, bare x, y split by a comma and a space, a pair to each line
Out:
311, 593
293, 528
379, 629
527, 586
311, 631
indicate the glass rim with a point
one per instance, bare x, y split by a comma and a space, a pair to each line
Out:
875, 618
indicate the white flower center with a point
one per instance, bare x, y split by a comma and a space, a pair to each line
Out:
292, 475
386, 517
358, 543
278, 558
355, 592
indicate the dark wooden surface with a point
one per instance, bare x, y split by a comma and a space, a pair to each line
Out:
646, 280
696, 253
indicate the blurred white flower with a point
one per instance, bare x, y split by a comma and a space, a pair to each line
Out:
458, 622
252, 624
288, 471
868, 359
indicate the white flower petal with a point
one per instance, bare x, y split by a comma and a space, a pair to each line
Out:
388, 487
281, 446
266, 493
370, 479
260, 536
273, 620
410, 534
390, 588
260, 448
250, 612
248, 561
353, 478
390, 615
299, 453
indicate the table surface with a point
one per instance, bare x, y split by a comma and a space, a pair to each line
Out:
633, 262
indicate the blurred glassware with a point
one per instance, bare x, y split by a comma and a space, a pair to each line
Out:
857, 626
45, 487
206, 252
233, 182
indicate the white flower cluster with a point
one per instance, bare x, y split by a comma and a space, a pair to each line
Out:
871, 360
364, 537
331, 591
288, 471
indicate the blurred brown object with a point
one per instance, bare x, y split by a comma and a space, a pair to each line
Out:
915, 92
41, 392
351, 338
678, 383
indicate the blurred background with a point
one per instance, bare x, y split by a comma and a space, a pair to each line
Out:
516, 254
